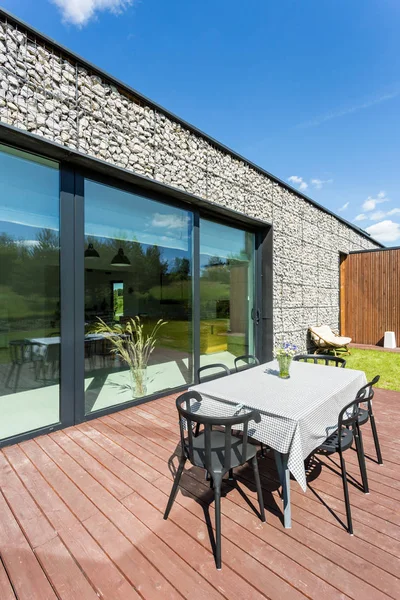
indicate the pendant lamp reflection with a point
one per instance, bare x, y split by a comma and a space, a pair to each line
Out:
91, 252
120, 260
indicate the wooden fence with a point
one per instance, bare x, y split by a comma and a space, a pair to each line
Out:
370, 295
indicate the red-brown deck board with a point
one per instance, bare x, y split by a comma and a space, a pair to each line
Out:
81, 518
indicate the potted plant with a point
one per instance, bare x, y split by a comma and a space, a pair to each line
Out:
134, 347
284, 354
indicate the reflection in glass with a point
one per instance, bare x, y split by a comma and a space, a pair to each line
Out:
144, 269
226, 293
29, 292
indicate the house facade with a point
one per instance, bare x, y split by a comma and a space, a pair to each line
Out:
112, 208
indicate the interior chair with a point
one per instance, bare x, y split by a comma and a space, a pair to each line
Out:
348, 430
223, 370
249, 361
21, 353
215, 450
366, 414
317, 359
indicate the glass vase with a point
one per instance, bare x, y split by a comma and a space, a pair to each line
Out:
284, 366
139, 382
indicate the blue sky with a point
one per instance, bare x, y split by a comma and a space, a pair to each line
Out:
308, 90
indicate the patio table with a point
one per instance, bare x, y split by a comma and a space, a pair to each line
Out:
297, 414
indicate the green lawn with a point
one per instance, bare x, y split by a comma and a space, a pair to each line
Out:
376, 362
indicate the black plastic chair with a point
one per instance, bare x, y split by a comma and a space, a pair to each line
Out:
366, 414
215, 450
342, 439
223, 368
337, 361
250, 361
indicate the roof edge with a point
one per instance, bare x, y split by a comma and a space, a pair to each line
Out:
113, 80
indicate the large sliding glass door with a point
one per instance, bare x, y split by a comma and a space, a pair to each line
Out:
29, 292
227, 294
144, 259
138, 265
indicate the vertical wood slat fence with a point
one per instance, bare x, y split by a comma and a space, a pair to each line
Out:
370, 295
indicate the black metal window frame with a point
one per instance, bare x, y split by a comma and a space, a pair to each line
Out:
72, 270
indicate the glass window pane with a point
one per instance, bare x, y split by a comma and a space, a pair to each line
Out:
226, 293
138, 265
29, 292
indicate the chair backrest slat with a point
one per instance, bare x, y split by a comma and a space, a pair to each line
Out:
337, 361
249, 359
348, 416
223, 370
188, 405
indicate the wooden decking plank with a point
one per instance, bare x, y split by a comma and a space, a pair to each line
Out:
165, 560
371, 528
23, 568
202, 560
326, 559
97, 566
31, 519
149, 492
6, 589
119, 451
154, 433
77, 502
136, 568
110, 482
106, 459
207, 558
52, 506
241, 547
340, 538
63, 572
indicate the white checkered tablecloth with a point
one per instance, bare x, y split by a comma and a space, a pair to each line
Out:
297, 414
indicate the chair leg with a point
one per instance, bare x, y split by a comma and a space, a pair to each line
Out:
346, 494
9, 376
17, 374
175, 486
217, 496
361, 457
376, 440
258, 487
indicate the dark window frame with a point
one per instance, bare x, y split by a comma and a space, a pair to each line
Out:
72, 269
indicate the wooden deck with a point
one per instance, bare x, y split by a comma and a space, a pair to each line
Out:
81, 518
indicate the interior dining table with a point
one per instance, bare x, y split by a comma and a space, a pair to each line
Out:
296, 414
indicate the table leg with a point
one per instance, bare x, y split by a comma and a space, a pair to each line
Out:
284, 476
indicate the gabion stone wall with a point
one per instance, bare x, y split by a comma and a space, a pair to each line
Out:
43, 92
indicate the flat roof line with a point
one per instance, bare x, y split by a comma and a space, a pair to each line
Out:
114, 81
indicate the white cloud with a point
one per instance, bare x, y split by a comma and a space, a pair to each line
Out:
385, 231
349, 110
344, 207
370, 203
378, 215
318, 183
394, 211
361, 217
169, 221
299, 181
79, 12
